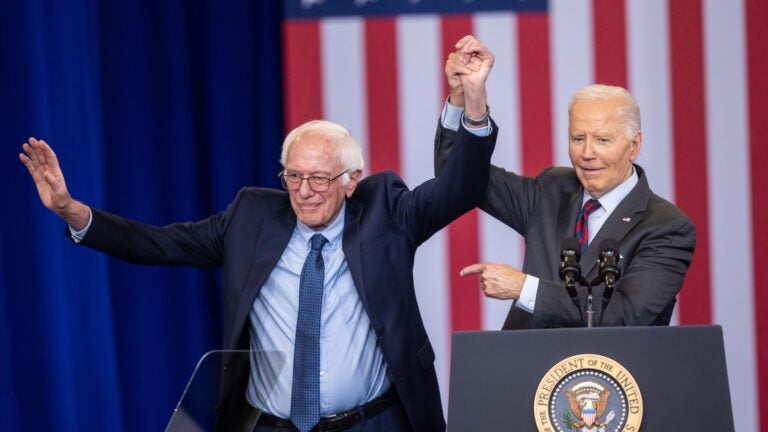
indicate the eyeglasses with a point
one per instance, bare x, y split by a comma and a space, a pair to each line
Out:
292, 182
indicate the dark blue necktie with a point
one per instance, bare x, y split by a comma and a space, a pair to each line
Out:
582, 223
305, 393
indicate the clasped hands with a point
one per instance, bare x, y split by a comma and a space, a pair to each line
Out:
467, 70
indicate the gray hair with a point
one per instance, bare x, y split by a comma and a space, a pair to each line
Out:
629, 110
348, 150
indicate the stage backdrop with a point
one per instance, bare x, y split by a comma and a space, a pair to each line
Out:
698, 68
160, 111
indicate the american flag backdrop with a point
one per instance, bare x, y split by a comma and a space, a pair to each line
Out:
699, 69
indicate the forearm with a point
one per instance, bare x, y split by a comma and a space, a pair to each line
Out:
444, 141
445, 135
191, 244
458, 187
475, 102
456, 98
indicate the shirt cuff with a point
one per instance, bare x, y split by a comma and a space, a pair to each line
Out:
527, 299
77, 236
451, 118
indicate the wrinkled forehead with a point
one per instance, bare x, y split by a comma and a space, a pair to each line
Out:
313, 151
596, 113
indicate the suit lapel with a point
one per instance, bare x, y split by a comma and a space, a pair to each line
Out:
351, 243
628, 214
269, 241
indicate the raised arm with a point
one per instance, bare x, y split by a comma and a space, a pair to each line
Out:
462, 185
197, 244
466, 71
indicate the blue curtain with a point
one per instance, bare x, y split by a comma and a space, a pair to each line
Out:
159, 111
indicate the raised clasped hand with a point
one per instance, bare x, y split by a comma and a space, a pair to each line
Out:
467, 71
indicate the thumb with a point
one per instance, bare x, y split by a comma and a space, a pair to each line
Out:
472, 269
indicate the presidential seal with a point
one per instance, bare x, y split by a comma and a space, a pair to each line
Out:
588, 393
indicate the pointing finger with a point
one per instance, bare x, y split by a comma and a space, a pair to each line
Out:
472, 269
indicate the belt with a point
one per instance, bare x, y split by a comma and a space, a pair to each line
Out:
340, 421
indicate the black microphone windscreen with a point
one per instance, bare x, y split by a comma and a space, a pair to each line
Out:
609, 245
570, 243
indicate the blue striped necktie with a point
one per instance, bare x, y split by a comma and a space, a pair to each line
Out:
305, 393
582, 222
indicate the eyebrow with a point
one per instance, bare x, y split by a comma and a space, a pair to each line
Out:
312, 174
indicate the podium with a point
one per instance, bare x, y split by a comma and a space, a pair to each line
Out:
671, 378
196, 409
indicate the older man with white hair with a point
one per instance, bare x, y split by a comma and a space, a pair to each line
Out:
604, 196
320, 272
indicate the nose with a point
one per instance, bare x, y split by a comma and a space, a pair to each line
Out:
304, 190
588, 150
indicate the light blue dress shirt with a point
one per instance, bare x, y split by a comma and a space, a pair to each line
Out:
352, 366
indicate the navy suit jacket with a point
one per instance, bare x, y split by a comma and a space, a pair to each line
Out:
384, 224
656, 242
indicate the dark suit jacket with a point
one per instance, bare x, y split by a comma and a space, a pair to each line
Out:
384, 224
656, 241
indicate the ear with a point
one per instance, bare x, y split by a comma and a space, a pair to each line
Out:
635, 145
354, 177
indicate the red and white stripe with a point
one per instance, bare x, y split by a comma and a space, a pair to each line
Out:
700, 73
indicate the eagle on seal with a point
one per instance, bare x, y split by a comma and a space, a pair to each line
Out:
588, 407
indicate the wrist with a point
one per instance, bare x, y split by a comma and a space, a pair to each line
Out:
75, 214
456, 97
475, 121
475, 102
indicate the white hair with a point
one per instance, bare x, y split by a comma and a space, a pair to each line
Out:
629, 110
348, 150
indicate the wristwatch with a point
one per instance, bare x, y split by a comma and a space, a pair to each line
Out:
469, 121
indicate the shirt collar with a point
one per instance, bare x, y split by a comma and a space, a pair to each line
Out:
332, 233
611, 200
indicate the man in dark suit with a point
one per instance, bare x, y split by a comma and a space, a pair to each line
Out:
320, 273
605, 190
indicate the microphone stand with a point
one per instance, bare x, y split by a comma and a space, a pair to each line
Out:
610, 285
590, 300
590, 306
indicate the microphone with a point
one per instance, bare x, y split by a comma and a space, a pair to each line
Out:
608, 271
570, 271
609, 262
